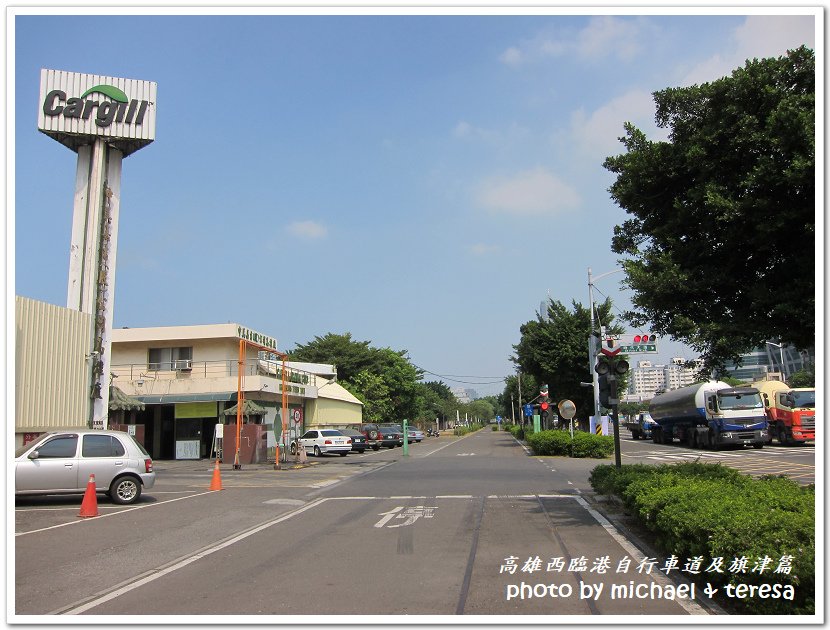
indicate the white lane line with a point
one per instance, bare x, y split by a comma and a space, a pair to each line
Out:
187, 560
691, 607
138, 507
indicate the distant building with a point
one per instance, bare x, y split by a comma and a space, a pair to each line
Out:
464, 395
647, 379
766, 362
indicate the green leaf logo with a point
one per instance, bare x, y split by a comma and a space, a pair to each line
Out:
107, 90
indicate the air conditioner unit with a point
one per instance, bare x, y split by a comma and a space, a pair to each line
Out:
183, 365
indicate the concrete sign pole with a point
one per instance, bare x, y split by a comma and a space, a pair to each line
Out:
92, 253
103, 119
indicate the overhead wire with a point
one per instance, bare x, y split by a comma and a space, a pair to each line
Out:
455, 378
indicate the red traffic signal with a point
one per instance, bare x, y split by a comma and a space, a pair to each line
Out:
644, 338
544, 406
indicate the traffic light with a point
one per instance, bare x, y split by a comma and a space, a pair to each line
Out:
608, 370
645, 338
543, 408
604, 390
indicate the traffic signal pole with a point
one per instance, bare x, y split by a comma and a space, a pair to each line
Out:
615, 418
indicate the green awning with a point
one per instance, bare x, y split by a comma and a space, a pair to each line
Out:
119, 401
249, 408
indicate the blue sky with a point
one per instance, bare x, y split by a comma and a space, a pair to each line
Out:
421, 181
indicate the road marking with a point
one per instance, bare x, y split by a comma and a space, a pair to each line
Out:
87, 520
154, 574
186, 561
691, 607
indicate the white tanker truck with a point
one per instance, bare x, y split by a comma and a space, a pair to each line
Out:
709, 415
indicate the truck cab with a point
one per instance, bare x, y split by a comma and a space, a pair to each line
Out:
645, 424
791, 412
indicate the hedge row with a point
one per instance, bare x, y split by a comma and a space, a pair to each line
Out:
462, 430
560, 443
709, 510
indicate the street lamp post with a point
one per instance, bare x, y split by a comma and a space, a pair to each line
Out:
780, 347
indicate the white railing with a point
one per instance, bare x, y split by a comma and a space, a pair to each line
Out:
172, 370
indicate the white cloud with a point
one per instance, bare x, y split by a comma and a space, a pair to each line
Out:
308, 230
482, 249
595, 135
604, 36
498, 137
758, 37
512, 56
608, 36
537, 192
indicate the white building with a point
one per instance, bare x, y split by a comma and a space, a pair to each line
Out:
647, 379
464, 395
189, 378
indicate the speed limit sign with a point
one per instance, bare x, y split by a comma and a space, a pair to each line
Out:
297, 416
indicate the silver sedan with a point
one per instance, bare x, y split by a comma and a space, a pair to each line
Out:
62, 462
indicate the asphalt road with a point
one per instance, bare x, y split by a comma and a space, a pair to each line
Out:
796, 462
470, 526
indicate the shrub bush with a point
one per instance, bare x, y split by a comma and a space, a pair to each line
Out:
516, 431
463, 430
560, 443
713, 511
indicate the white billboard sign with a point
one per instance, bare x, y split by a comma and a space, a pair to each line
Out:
74, 107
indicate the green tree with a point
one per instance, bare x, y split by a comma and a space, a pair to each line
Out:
803, 378
374, 394
384, 379
350, 357
721, 247
555, 351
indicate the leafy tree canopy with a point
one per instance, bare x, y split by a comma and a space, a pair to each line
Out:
382, 378
721, 247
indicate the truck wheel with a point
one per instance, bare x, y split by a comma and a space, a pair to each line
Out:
781, 431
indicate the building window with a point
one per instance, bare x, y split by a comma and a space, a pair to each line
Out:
170, 358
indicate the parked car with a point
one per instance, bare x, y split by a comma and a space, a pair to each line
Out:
319, 441
371, 433
414, 433
61, 462
392, 434
358, 439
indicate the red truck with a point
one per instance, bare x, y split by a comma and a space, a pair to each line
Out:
791, 412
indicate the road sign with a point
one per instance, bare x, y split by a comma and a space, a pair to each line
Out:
642, 348
528, 409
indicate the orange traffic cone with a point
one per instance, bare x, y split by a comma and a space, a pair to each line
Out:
216, 482
89, 506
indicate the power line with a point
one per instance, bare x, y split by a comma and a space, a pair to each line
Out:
455, 378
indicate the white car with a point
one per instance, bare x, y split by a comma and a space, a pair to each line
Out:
319, 441
62, 462
414, 433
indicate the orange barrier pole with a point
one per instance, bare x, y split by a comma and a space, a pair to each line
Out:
239, 403
285, 401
